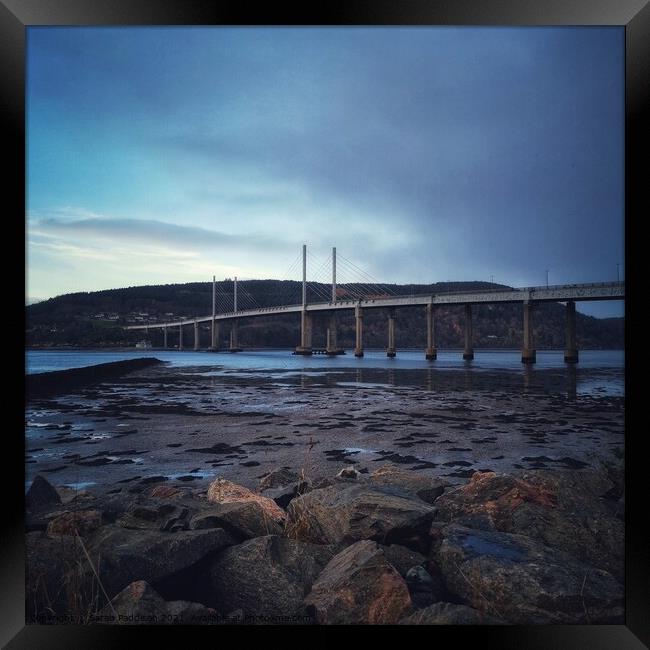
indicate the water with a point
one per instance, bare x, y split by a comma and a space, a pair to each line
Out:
270, 360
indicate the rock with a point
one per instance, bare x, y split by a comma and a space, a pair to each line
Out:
139, 603
424, 591
349, 473
223, 491
267, 577
449, 614
157, 516
279, 478
41, 494
524, 582
165, 492
403, 558
150, 555
344, 514
428, 488
242, 520
68, 495
359, 586
562, 509
77, 521
283, 495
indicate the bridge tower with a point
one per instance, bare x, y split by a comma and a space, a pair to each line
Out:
196, 335
468, 352
180, 337
332, 342
214, 331
390, 350
305, 318
234, 329
358, 317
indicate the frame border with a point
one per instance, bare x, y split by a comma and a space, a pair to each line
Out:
634, 15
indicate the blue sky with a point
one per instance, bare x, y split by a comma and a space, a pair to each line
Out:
162, 155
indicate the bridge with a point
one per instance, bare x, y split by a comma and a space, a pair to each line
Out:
528, 297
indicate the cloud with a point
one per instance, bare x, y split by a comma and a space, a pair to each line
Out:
153, 232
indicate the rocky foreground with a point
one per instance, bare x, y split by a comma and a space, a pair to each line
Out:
392, 546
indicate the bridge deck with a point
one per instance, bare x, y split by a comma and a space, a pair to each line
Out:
559, 293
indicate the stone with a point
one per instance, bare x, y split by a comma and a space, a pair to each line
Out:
79, 522
564, 510
41, 494
349, 473
267, 577
403, 558
127, 555
165, 492
242, 520
156, 516
422, 587
279, 478
224, 491
138, 603
343, 514
521, 581
428, 488
449, 614
359, 586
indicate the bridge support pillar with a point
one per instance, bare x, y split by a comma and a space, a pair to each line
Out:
468, 352
332, 339
390, 351
571, 352
305, 334
234, 339
528, 354
358, 317
214, 335
180, 337
431, 353
196, 336
165, 337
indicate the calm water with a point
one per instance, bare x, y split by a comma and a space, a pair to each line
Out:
599, 372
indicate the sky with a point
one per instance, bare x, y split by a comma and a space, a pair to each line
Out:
424, 154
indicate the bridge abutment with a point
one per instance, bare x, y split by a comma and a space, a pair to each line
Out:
390, 350
358, 318
468, 352
571, 352
528, 354
431, 353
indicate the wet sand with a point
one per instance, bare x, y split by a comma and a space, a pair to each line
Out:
190, 425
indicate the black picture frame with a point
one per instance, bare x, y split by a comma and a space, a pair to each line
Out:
633, 15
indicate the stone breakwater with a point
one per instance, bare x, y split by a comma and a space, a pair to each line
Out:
541, 546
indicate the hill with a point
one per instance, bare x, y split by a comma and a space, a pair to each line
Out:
96, 318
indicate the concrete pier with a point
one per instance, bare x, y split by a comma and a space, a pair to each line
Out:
214, 335
358, 317
528, 354
180, 337
390, 350
571, 352
431, 353
165, 337
305, 334
196, 335
332, 347
234, 341
468, 353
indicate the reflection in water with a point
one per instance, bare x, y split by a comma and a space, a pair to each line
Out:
571, 381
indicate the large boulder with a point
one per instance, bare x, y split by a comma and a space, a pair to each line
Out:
81, 522
449, 614
267, 578
564, 510
359, 586
279, 478
139, 603
428, 488
522, 581
223, 491
127, 555
41, 494
343, 514
242, 520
